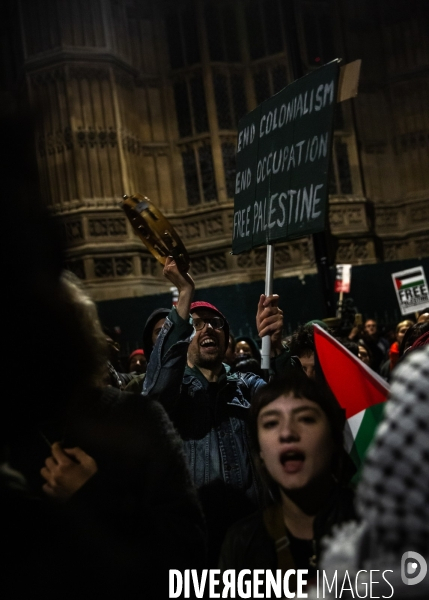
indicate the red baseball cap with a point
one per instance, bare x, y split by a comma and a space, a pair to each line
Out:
135, 352
202, 304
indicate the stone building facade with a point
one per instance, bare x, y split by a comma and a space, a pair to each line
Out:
145, 96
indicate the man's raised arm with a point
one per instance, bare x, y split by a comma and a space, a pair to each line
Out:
168, 359
185, 286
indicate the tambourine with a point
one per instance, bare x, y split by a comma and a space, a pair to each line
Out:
155, 231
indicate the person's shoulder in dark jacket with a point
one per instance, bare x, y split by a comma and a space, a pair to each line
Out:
142, 498
247, 545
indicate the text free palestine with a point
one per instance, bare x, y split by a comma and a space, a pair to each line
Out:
295, 206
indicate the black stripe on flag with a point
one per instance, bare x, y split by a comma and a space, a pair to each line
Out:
411, 275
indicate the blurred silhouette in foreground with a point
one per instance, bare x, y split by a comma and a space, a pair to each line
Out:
118, 507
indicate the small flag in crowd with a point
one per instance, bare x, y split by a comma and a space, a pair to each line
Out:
358, 389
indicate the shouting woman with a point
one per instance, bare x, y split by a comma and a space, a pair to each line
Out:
296, 430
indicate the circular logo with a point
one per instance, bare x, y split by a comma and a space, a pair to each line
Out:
413, 568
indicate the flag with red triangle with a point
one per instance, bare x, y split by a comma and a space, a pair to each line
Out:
359, 390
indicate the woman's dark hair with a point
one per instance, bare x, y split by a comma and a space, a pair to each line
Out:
300, 386
411, 335
302, 341
248, 365
350, 345
361, 342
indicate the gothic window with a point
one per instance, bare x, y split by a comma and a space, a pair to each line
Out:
262, 85
172, 25
182, 37
230, 33
273, 20
223, 107
222, 32
199, 104
264, 27
269, 79
191, 177
255, 30
214, 32
230, 98
182, 108
238, 96
190, 104
228, 156
207, 172
279, 77
199, 173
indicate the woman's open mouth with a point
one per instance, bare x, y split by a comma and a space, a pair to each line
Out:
292, 461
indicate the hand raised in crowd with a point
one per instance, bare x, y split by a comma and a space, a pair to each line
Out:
66, 471
357, 330
184, 283
269, 321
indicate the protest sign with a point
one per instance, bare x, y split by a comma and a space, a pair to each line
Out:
343, 278
283, 154
411, 290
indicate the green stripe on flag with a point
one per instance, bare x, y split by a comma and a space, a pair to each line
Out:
371, 419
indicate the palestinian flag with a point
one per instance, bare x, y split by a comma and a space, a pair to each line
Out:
409, 279
358, 389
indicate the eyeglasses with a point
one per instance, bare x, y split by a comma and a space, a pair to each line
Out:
214, 322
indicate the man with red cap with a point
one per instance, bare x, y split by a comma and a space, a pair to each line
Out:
137, 362
206, 403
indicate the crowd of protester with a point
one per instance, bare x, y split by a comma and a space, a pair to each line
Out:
193, 457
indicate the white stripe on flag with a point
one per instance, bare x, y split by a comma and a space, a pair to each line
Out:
408, 280
351, 429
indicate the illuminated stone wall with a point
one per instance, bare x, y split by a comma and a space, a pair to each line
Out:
142, 96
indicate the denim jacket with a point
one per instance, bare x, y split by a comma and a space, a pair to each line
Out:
210, 417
